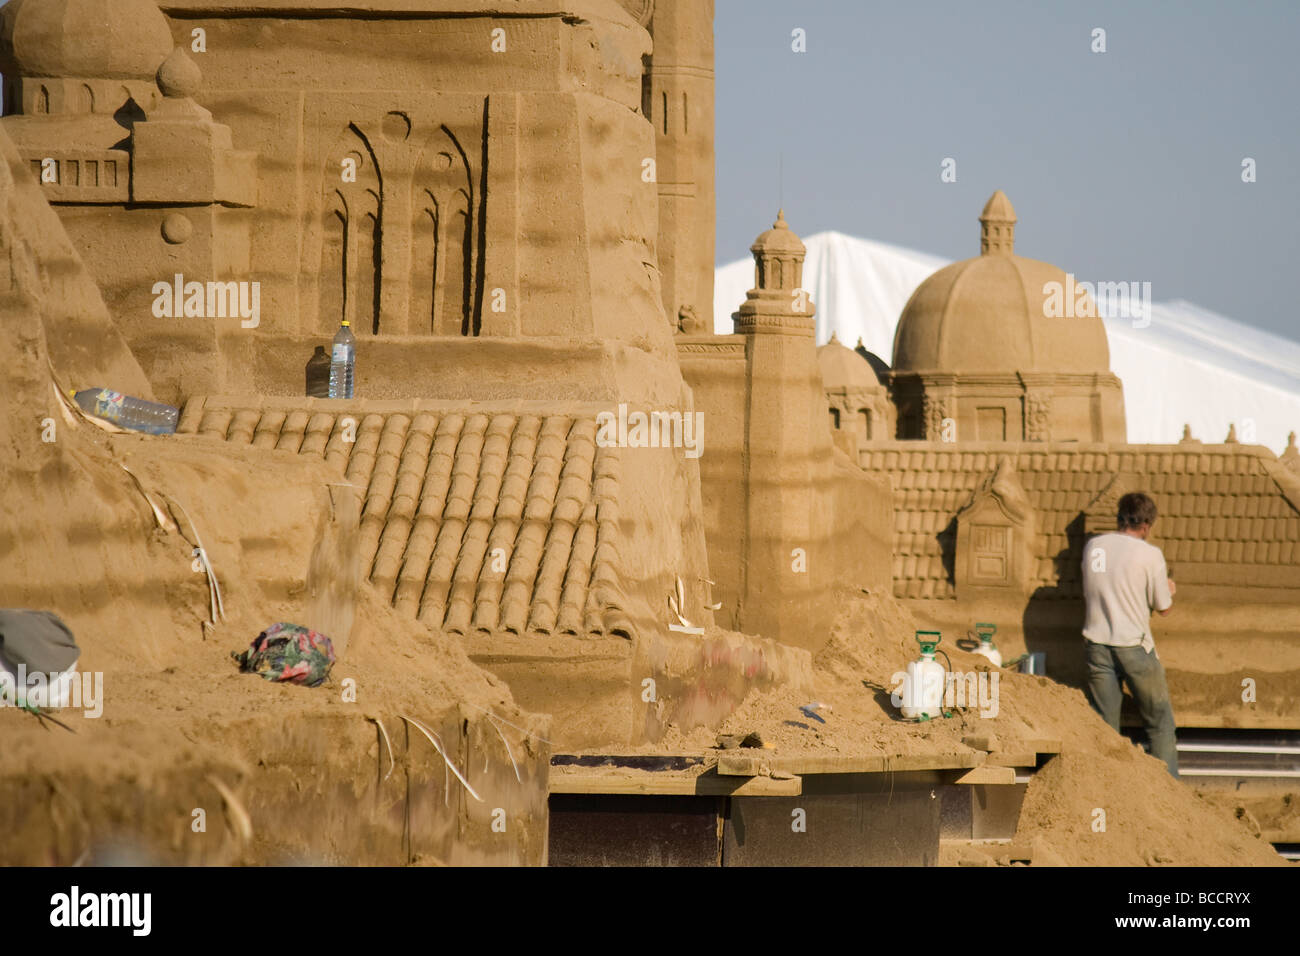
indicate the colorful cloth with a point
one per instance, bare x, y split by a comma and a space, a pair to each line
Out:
288, 652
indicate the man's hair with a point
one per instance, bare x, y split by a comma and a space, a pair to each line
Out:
1135, 510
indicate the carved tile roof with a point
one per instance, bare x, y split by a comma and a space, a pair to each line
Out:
444, 488
1224, 504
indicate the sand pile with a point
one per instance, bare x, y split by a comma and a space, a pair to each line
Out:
98, 527
1150, 818
176, 713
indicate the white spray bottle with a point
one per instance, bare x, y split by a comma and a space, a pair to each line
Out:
926, 681
987, 648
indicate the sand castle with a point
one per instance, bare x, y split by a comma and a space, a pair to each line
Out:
1007, 452
513, 207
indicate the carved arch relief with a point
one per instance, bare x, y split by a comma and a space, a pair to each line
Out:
399, 236
443, 259
351, 274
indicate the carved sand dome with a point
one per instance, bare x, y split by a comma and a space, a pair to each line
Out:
99, 39
991, 314
841, 367
778, 257
778, 239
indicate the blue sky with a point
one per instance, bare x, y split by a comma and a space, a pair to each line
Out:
1123, 165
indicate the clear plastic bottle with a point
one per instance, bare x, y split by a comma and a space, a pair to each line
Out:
126, 411
343, 358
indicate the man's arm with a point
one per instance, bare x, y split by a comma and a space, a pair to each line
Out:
1161, 588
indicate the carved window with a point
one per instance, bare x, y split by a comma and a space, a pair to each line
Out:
334, 264
444, 256
351, 261
399, 250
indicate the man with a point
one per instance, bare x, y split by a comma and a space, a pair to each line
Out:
1124, 580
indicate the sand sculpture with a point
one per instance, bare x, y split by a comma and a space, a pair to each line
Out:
513, 206
976, 347
1007, 453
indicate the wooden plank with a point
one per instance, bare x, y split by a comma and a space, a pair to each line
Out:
745, 764
654, 762
757, 765
1042, 745
876, 763
1012, 758
970, 758
988, 775
811, 763
667, 782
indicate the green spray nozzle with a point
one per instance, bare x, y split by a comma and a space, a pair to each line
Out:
986, 632
928, 640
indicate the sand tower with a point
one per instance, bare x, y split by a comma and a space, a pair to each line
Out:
677, 98
788, 517
467, 184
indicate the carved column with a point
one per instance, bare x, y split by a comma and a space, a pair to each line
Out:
938, 402
1037, 407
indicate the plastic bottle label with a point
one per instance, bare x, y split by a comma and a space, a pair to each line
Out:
340, 354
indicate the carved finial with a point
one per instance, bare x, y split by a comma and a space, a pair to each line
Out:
861, 344
1232, 435
998, 226
780, 220
179, 76
1187, 433
834, 339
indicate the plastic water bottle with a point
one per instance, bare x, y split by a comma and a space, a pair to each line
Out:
126, 411
343, 358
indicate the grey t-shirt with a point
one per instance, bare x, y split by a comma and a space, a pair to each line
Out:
1124, 579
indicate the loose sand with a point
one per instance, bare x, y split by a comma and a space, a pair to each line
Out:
1150, 818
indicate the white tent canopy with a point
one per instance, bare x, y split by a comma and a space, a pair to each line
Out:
1187, 366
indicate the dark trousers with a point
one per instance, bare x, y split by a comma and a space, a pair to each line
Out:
1145, 676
